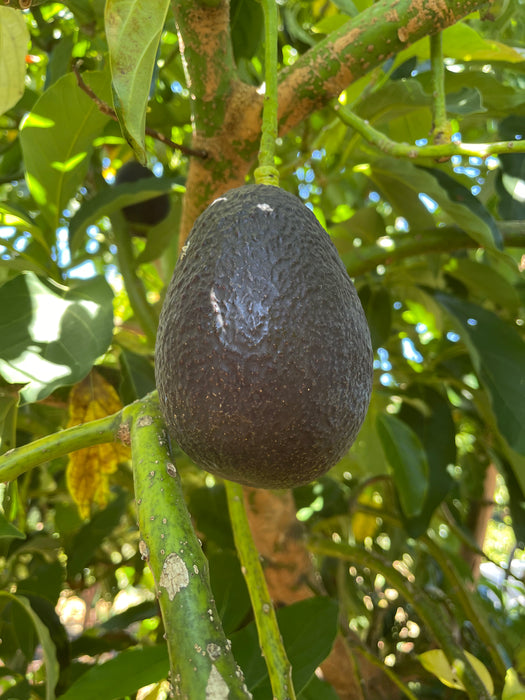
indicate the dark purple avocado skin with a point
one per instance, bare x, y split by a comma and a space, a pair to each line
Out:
263, 356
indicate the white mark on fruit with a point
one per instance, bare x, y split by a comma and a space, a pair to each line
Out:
171, 469
216, 687
264, 207
144, 421
174, 575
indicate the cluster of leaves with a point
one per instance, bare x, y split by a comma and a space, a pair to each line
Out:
435, 249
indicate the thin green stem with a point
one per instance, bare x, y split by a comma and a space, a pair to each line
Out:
443, 240
136, 292
467, 602
22, 459
426, 609
267, 173
202, 665
406, 150
279, 669
441, 131
379, 664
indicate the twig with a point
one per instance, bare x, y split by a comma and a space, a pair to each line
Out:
441, 129
426, 609
279, 669
407, 150
22, 459
468, 603
106, 109
423, 242
144, 312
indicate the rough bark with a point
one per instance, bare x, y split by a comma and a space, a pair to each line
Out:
227, 112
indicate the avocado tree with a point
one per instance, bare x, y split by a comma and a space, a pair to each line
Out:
128, 571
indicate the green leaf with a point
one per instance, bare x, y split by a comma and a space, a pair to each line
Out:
378, 309
408, 460
57, 142
459, 194
133, 30
229, 589
498, 354
402, 182
91, 535
464, 43
317, 689
124, 675
485, 282
48, 648
434, 425
398, 182
17, 217
112, 199
138, 376
8, 417
14, 40
308, 630
7, 530
246, 26
50, 335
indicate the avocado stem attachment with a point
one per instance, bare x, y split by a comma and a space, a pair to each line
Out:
266, 173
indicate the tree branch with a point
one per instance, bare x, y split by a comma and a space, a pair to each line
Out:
442, 240
379, 32
439, 150
107, 109
202, 665
227, 112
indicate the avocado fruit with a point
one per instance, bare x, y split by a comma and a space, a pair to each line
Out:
263, 359
151, 211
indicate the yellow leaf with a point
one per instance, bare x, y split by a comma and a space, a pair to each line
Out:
514, 689
437, 663
365, 524
88, 469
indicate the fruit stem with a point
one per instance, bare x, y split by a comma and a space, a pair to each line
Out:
441, 128
279, 668
267, 173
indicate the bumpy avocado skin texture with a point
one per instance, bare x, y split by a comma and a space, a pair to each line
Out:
263, 355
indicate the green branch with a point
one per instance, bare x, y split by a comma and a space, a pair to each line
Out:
279, 669
202, 665
267, 173
426, 609
362, 651
382, 30
441, 129
406, 150
467, 602
442, 240
135, 290
22, 459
